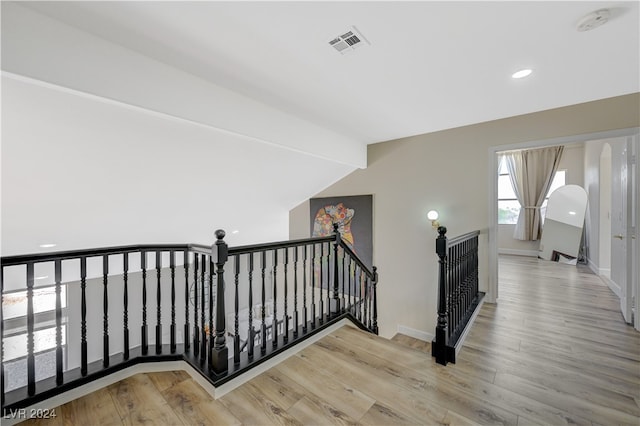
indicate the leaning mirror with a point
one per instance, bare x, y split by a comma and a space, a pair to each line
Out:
563, 223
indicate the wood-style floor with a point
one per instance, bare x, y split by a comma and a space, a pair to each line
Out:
554, 350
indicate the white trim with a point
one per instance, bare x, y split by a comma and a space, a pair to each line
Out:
467, 328
593, 266
153, 367
605, 272
613, 286
518, 252
416, 334
492, 287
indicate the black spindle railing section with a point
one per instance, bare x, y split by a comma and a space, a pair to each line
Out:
458, 295
342, 286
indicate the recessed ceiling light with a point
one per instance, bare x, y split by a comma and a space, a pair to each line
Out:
43, 277
572, 213
235, 231
522, 73
48, 245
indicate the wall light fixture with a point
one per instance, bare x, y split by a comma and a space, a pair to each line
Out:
433, 217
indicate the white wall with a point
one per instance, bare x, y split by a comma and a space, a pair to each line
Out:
447, 171
82, 173
573, 162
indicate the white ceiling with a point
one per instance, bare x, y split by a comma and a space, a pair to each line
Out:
130, 122
430, 65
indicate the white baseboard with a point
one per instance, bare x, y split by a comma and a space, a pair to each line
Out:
594, 268
416, 334
517, 252
613, 286
154, 367
605, 272
460, 343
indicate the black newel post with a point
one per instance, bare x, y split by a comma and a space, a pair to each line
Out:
439, 348
334, 308
375, 300
219, 353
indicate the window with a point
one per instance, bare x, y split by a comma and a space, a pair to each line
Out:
508, 205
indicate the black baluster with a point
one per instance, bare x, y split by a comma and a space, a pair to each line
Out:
328, 276
451, 289
219, 352
203, 328
187, 326
236, 320
274, 321
361, 295
144, 328
125, 301
313, 286
335, 309
159, 303
345, 299
196, 330
263, 331
369, 301
356, 291
296, 319
251, 331
475, 265
31, 361
305, 314
351, 296
211, 335
83, 316
58, 279
172, 328
285, 335
105, 306
365, 300
456, 291
375, 300
321, 289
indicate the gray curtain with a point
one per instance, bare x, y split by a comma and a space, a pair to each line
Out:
531, 172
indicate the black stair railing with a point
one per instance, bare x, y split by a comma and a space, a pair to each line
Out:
458, 295
96, 311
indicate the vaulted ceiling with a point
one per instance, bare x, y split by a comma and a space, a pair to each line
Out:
236, 111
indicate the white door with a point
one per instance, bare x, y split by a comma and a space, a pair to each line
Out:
620, 225
634, 180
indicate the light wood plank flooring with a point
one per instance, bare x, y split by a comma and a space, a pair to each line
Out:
554, 350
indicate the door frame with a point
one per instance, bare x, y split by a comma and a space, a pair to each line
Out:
492, 290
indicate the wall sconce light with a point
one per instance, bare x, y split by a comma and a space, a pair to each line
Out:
433, 217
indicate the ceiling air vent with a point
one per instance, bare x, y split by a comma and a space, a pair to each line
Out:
348, 41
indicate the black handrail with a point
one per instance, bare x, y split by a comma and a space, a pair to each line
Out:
458, 294
255, 248
342, 286
21, 259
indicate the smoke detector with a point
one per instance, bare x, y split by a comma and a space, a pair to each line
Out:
593, 20
348, 41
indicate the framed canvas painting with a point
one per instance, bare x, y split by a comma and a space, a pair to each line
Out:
354, 216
